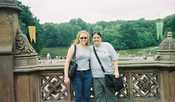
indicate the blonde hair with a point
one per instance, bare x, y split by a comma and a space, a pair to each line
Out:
77, 41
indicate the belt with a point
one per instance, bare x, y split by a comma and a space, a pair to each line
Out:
83, 70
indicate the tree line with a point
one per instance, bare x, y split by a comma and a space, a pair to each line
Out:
122, 34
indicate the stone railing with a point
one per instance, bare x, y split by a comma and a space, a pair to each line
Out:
41, 83
150, 80
144, 81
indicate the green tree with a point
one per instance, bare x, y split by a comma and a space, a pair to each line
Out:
26, 19
169, 24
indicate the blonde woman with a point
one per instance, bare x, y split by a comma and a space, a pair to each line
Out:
83, 78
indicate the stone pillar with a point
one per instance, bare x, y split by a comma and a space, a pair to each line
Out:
26, 81
167, 59
167, 49
8, 26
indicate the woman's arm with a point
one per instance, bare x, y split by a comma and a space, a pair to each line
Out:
116, 71
67, 62
114, 59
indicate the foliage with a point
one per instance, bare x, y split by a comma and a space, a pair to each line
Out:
26, 19
169, 23
62, 34
121, 34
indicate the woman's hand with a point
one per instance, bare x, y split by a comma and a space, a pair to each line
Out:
66, 80
116, 74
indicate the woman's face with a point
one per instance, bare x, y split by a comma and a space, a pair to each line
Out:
96, 39
83, 39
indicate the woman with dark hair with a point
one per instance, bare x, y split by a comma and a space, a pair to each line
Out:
83, 77
108, 58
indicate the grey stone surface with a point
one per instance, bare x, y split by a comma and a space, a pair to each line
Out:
167, 48
8, 28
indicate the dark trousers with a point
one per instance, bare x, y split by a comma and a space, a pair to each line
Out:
81, 85
102, 93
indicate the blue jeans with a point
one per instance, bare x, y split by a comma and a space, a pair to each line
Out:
81, 85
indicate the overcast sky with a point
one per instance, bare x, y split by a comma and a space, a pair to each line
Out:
92, 11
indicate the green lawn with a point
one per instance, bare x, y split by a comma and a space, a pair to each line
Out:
61, 51
139, 52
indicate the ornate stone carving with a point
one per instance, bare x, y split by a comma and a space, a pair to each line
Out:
23, 47
52, 87
145, 84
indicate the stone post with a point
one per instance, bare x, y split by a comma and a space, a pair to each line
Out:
167, 59
8, 26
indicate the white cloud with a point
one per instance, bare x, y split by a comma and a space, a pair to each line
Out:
97, 10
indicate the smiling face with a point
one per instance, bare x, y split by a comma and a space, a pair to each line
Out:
83, 38
97, 39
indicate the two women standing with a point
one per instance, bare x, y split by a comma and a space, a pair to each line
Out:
85, 55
